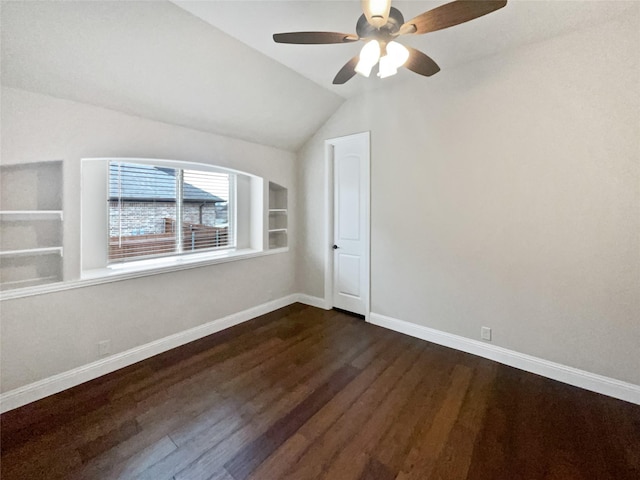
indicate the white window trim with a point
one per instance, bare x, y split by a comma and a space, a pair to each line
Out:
95, 260
107, 275
160, 265
153, 266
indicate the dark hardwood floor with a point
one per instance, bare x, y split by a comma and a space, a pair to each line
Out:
303, 393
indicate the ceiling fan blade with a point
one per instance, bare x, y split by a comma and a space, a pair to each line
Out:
314, 38
450, 14
420, 63
347, 72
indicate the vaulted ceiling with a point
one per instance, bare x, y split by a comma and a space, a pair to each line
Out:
520, 23
213, 66
156, 60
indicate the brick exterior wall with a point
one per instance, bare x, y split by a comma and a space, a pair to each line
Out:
147, 218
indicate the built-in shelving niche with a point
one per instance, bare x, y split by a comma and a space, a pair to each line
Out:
31, 220
278, 216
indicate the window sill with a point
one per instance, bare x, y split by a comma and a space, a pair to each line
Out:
140, 269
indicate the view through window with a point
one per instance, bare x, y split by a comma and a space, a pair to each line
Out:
159, 211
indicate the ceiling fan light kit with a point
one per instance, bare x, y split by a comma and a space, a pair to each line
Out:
369, 56
381, 24
397, 55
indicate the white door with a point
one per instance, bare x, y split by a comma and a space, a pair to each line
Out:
351, 223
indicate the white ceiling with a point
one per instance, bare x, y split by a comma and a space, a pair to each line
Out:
520, 23
155, 60
213, 66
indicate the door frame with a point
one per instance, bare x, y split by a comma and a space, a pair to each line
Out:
329, 221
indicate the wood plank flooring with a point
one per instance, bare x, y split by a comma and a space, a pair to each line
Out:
303, 393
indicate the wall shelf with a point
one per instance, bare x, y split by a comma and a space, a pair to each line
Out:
31, 217
27, 252
278, 216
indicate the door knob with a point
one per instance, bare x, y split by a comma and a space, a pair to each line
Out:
335, 247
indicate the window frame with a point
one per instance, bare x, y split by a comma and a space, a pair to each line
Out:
180, 168
249, 217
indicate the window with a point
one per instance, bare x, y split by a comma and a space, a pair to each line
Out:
157, 211
145, 215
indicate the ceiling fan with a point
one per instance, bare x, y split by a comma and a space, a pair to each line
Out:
381, 24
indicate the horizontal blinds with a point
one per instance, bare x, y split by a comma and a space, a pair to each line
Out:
206, 211
144, 209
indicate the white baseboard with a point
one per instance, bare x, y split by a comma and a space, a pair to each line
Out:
62, 381
572, 376
313, 301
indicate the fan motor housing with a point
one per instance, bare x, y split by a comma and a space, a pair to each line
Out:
389, 30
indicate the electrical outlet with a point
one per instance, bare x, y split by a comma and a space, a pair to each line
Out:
485, 333
104, 347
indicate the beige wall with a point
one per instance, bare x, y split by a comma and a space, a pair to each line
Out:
51, 333
505, 193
